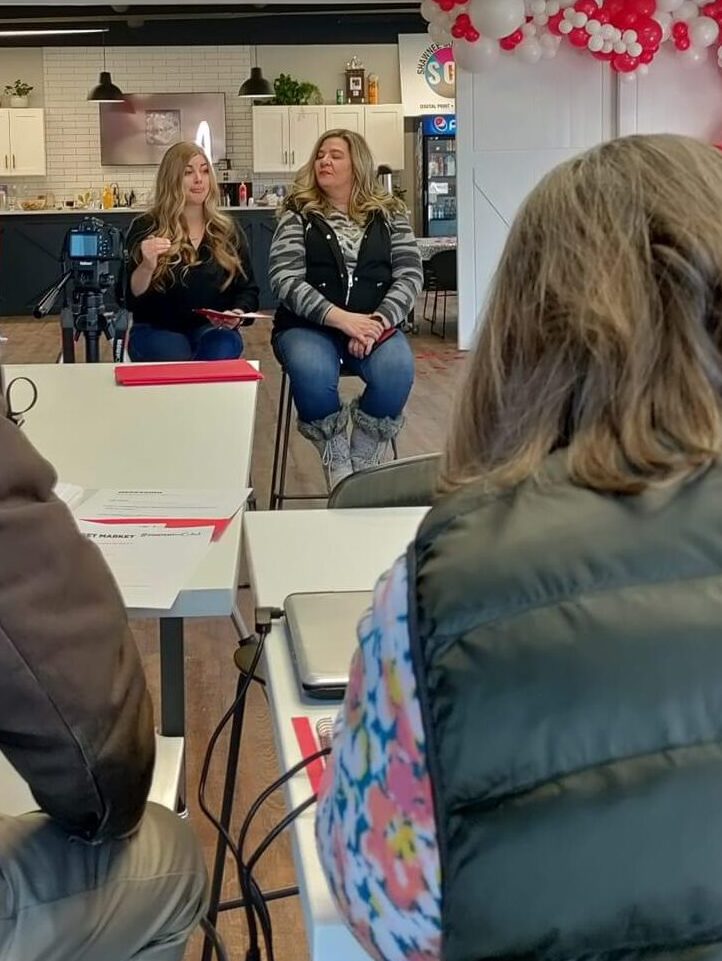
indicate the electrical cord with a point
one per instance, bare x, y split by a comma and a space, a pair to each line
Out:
248, 885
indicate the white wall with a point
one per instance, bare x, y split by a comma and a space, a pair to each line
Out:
326, 65
518, 121
24, 63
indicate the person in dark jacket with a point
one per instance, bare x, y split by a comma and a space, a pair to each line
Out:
528, 763
346, 269
96, 874
185, 254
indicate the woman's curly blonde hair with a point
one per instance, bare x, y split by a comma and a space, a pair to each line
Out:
168, 220
367, 194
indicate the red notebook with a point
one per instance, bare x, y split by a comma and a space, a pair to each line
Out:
193, 372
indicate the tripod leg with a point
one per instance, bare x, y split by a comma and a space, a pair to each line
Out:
67, 333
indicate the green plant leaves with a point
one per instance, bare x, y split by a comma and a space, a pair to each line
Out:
292, 92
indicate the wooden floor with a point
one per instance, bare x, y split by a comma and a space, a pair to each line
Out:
211, 676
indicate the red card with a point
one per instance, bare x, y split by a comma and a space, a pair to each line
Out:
193, 372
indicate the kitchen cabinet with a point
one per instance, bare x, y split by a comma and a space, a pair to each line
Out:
283, 137
22, 142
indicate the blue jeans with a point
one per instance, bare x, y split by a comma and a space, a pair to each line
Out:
148, 343
312, 356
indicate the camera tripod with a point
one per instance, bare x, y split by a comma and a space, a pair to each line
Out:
84, 315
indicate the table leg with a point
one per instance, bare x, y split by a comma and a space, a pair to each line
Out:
172, 678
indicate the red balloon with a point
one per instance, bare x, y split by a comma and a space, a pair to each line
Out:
680, 30
683, 43
447, 5
644, 8
457, 31
590, 7
649, 33
627, 20
647, 56
601, 55
472, 34
623, 63
614, 8
512, 41
463, 20
578, 37
553, 25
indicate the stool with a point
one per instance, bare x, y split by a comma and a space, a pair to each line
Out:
280, 448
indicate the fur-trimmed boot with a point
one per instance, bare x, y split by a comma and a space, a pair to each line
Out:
330, 438
371, 437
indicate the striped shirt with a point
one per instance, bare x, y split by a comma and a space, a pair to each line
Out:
287, 266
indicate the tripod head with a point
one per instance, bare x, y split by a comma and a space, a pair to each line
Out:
91, 250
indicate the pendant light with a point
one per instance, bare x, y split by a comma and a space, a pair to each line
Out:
256, 87
106, 91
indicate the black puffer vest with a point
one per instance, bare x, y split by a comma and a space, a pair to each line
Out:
568, 652
326, 270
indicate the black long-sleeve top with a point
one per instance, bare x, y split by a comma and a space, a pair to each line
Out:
172, 308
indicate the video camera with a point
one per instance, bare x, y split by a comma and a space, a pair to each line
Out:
92, 262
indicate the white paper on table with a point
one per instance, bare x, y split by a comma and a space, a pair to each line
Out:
151, 565
70, 494
158, 506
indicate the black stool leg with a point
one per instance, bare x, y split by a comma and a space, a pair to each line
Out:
277, 444
284, 457
229, 787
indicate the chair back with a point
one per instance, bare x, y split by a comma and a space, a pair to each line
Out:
409, 482
443, 267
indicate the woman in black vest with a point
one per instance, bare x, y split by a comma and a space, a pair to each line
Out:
346, 269
529, 761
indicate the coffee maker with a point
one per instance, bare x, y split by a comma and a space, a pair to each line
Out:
385, 178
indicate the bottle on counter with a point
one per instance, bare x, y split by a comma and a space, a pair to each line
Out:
107, 197
242, 195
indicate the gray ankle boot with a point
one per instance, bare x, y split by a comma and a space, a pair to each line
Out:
329, 437
371, 437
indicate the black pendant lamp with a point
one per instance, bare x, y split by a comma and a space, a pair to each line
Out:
106, 91
256, 87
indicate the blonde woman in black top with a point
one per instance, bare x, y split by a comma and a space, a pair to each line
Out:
185, 255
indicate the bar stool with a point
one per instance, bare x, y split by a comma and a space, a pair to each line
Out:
280, 448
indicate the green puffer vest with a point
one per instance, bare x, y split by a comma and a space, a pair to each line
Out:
568, 651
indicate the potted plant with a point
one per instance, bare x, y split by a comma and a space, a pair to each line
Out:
292, 92
18, 93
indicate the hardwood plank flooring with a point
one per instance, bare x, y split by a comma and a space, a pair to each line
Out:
211, 676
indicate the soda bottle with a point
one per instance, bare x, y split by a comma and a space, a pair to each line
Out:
242, 195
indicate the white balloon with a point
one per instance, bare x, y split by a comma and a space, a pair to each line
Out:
665, 22
427, 9
580, 19
628, 77
475, 57
668, 6
438, 33
595, 43
594, 27
620, 47
693, 57
566, 3
538, 6
629, 36
497, 18
703, 32
553, 7
643, 70
550, 45
635, 49
565, 27
541, 19
687, 11
529, 30
530, 51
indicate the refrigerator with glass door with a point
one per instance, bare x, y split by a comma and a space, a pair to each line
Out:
439, 175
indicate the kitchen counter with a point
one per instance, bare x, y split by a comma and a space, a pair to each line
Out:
31, 243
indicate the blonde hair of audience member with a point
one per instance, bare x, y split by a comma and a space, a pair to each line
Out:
604, 325
169, 220
367, 194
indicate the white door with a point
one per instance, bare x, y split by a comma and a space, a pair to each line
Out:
384, 132
514, 123
270, 139
27, 142
5, 152
346, 116
306, 124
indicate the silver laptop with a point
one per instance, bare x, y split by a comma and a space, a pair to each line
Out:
322, 636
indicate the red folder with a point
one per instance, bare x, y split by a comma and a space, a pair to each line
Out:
193, 372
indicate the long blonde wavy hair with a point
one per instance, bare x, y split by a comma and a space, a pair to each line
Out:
168, 220
603, 330
367, 194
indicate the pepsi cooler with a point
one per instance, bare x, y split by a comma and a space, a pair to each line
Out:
437, 152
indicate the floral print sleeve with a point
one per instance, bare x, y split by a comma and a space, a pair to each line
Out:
375, 825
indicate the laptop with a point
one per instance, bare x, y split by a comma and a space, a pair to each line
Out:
322, 636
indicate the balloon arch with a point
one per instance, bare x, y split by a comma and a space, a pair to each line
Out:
625, 33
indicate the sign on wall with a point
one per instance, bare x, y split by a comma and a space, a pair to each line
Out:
428, 75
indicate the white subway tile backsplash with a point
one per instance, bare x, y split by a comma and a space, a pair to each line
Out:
72, 134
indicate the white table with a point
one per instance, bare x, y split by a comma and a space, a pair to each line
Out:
315, 550
194, 435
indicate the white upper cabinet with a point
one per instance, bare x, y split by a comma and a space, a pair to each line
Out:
283, 137
22, 142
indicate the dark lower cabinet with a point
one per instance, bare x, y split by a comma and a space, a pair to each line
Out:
31, 246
